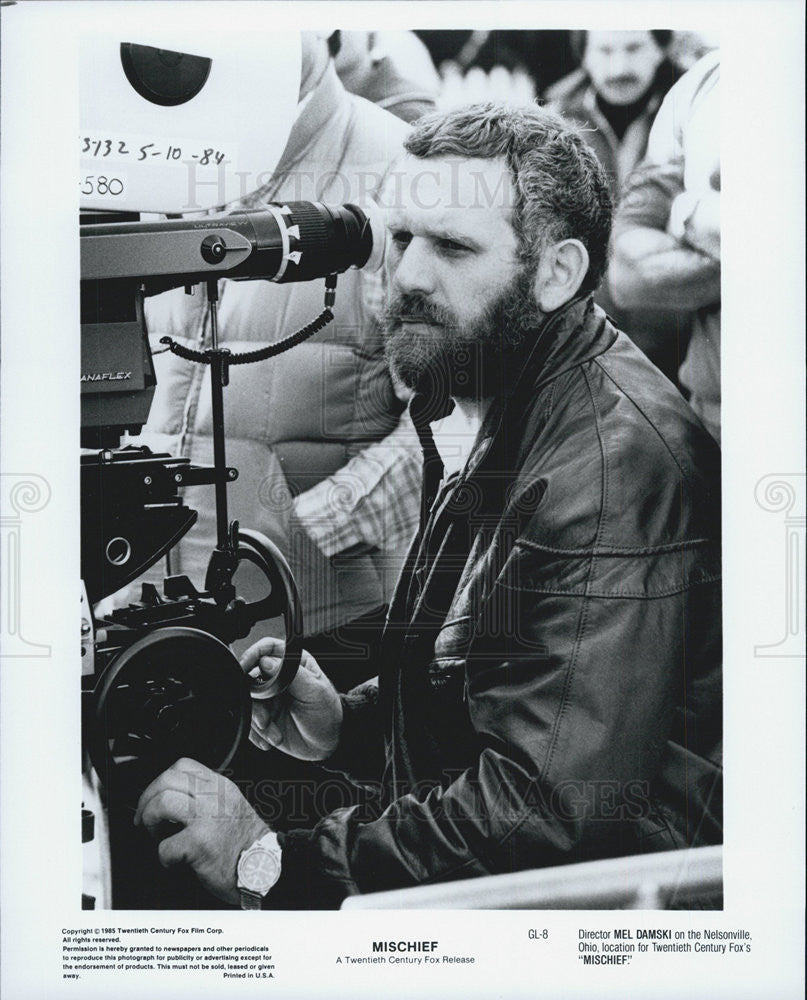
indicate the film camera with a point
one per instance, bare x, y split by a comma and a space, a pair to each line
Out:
159, 679
132, 511
168, 126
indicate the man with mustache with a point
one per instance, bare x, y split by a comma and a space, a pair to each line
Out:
549, 683
615, 94
616, 91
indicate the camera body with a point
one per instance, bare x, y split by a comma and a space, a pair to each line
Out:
168, 126
159, 680
166, 649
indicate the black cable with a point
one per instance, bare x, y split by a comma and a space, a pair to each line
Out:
247, 357
271, 350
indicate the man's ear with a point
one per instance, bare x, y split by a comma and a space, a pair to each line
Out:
561, 270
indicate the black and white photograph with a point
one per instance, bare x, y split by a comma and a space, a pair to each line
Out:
362, 375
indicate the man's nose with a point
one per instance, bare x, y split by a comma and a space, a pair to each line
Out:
415, 271
620, 63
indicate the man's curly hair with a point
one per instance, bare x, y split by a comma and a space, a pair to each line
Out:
561, 190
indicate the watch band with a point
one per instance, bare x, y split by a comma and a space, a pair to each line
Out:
258, 869
250, 900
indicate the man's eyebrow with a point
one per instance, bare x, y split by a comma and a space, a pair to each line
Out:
437, 231
398, 221
456, 236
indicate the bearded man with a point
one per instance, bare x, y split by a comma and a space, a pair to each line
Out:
549, 683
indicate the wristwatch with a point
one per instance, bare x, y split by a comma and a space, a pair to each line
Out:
258, 870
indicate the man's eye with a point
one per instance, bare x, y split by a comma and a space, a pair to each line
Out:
452, 247
401, 238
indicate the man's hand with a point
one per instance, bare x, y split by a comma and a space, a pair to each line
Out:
216, 823
305, 720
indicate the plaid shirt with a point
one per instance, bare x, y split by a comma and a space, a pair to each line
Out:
373, 501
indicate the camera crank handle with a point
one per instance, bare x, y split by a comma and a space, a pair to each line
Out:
283, 601
221, 568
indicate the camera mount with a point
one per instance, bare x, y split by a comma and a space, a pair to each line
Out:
156, 697
159, 679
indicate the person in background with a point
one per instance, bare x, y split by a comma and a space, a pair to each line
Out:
615, 94
328, 465
393, 69
667, 230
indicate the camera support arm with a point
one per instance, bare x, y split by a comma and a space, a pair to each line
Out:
224, 559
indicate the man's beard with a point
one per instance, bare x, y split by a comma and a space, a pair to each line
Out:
475, 360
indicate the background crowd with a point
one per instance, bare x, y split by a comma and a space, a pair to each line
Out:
611, 82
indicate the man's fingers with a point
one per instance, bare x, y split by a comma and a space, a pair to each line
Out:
265, 677
167, 780
167, 806
265, 733
183, 776
265, 682
267, 647
257, 740
175, 850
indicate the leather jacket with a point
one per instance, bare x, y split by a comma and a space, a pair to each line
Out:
549, 682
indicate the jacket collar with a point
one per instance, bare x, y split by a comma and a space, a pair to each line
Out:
569, 337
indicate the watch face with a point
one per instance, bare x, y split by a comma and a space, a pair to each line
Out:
258, 870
